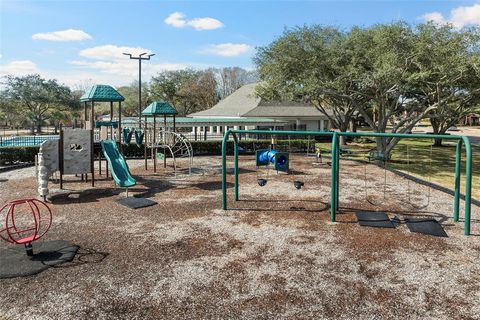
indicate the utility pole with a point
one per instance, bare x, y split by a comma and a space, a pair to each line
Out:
140, 58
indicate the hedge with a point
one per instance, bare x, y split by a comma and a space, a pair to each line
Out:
12, 155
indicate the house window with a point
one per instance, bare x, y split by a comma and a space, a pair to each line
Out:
326, 125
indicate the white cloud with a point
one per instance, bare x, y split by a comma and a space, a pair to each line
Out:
65, 35
127, 68
459, 17
109, 60
110, 51
227, 49
436, 17
18, 68
178, 20
205, 24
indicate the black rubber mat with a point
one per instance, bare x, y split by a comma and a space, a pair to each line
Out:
374, 219
425, 226
397, 221
136, 203
14, 261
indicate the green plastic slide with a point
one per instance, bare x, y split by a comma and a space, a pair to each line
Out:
117, 164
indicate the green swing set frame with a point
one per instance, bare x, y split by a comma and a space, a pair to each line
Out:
335, 168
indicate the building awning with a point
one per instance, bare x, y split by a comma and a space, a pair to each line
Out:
284, 109
206, 122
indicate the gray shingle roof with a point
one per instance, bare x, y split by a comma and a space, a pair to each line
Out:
243, 103
235, 105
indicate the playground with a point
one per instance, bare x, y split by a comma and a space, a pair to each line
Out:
273, 253
268, 232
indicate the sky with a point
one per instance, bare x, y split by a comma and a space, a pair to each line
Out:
81, 42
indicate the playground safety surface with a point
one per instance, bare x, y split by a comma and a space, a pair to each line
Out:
274, 254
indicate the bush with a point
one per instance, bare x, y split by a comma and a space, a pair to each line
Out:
12, 155
250, 146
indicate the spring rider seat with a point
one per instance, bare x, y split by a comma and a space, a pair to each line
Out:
24, 221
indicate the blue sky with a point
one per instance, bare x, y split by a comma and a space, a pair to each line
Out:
80, 42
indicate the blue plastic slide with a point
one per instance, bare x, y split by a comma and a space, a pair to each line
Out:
117, 164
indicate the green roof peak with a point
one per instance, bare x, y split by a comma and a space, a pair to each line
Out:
102, 92
159, 108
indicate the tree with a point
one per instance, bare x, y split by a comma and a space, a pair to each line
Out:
364, 70
383, 66
447, 74
230, 79
188, 90
130, 105
38, 97
9, 112
311, 64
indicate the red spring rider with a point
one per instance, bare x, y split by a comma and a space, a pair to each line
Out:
23, 221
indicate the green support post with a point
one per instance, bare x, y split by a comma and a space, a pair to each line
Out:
224, 170
458, 164
337, 178
235, 165
333, 181
468, 184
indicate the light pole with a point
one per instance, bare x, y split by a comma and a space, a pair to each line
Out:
140, 58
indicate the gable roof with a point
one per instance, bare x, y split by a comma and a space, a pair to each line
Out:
102, 92
235, 105
157, 108
284, 109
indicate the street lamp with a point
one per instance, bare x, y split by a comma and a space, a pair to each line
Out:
140, 58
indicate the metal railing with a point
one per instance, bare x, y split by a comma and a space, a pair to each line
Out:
335, 166
25, 141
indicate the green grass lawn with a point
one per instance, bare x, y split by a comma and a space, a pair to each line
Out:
435, 164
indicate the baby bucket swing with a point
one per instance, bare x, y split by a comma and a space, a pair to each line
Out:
279, 161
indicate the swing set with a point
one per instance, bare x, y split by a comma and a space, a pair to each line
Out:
335, 165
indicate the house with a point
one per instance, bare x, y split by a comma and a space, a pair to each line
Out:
244, 110
280, 115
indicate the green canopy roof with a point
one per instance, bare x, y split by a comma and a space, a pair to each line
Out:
159, 108
102, 92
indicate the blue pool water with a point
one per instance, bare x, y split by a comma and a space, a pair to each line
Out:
25, 141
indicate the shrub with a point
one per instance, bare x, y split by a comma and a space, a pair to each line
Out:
12, 155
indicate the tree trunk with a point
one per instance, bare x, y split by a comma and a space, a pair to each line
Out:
437, 142
381, 144
343, 128
436, 130
39, 128
353, 126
